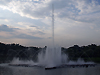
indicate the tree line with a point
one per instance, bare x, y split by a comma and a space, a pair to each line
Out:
87, 53
10, 51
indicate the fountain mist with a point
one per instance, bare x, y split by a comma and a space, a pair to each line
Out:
51, 58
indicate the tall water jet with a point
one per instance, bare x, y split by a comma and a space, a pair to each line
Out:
52, 56
53, 25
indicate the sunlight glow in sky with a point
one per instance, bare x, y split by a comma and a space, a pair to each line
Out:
29, 22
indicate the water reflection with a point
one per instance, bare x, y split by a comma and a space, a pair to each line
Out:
21, 71
5, 71
53, 72
41, 71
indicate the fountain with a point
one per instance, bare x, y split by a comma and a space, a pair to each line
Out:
52, 58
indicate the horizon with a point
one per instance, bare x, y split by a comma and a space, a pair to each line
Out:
50, 45
29, 22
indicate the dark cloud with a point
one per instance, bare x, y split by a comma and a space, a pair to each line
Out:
39, 32
35, 27
25, 36
13, 32
7, 28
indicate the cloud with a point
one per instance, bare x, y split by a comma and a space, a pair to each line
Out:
4, 20
28, 9
32, 28
4, 2
12, 32
34, 10
73, 19
86, 7
63, 8
86, 11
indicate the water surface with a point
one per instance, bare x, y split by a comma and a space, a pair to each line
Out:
9, 70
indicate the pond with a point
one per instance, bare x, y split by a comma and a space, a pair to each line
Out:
11, 70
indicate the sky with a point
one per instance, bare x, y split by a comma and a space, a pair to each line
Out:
29, 22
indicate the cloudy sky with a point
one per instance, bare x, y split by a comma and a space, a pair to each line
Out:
29, 22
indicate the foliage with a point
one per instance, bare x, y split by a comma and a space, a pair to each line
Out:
88, 53
10, 51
